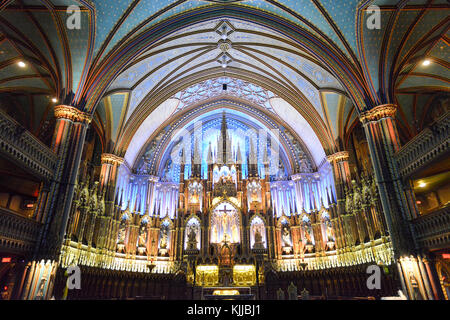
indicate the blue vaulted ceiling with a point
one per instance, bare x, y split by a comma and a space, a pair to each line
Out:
69, 64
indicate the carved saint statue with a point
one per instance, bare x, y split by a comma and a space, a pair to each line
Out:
143, 237
259, 244
192, 239
330, 233
286, 237
163, 242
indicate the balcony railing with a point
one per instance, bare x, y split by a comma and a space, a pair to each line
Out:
433, 229
20, 146
18, 234
428, 145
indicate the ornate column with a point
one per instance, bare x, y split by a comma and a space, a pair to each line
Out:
68, 142
108, 174
108, 181
382, 136
341, 171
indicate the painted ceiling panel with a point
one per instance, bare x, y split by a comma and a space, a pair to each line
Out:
79, 46
31, 33
331, 106
343, 14
310, 12
303, 129
402, 25
427, 22
146, 86
107, 15
102, 112
118, 104
315, 73
50, 29
416, 82
441, 51
372, 39
13, 69
33, 83
144, 10
406, 102
7, 51
131, 76
153, 121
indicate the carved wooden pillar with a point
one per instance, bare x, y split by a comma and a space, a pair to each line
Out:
382, 136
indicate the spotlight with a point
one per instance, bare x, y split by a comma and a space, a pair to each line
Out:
54, 100
21, 64
426, 62
422, 185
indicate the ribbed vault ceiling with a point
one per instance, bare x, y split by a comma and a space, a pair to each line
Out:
129, 52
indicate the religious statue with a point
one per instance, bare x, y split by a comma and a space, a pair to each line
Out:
192, 239
348, 202
357, 199
40, 292
330, 233
164, 236
259, 244
308, 234
121, 237
142, 240
286, 237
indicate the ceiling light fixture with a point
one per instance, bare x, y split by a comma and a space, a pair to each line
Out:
422, 184
21, 64
54, 100
426, 62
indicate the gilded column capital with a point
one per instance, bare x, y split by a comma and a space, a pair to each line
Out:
338, 156
109, 158
378, 113
71, 113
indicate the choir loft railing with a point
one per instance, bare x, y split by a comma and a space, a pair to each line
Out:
18, 234
24, 149
428, 145
433, 229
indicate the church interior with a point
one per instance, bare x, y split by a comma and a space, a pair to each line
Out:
225, 149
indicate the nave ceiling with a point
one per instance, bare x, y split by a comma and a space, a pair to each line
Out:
132, 56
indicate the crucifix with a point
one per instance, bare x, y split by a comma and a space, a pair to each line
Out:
225, 221
224, 210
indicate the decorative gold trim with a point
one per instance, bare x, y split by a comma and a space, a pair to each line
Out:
71, 113
109, 158
338, 156
378, 113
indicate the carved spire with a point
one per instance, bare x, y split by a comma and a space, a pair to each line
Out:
224, 142
209, 156
252, 160
238, 154
196, 159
